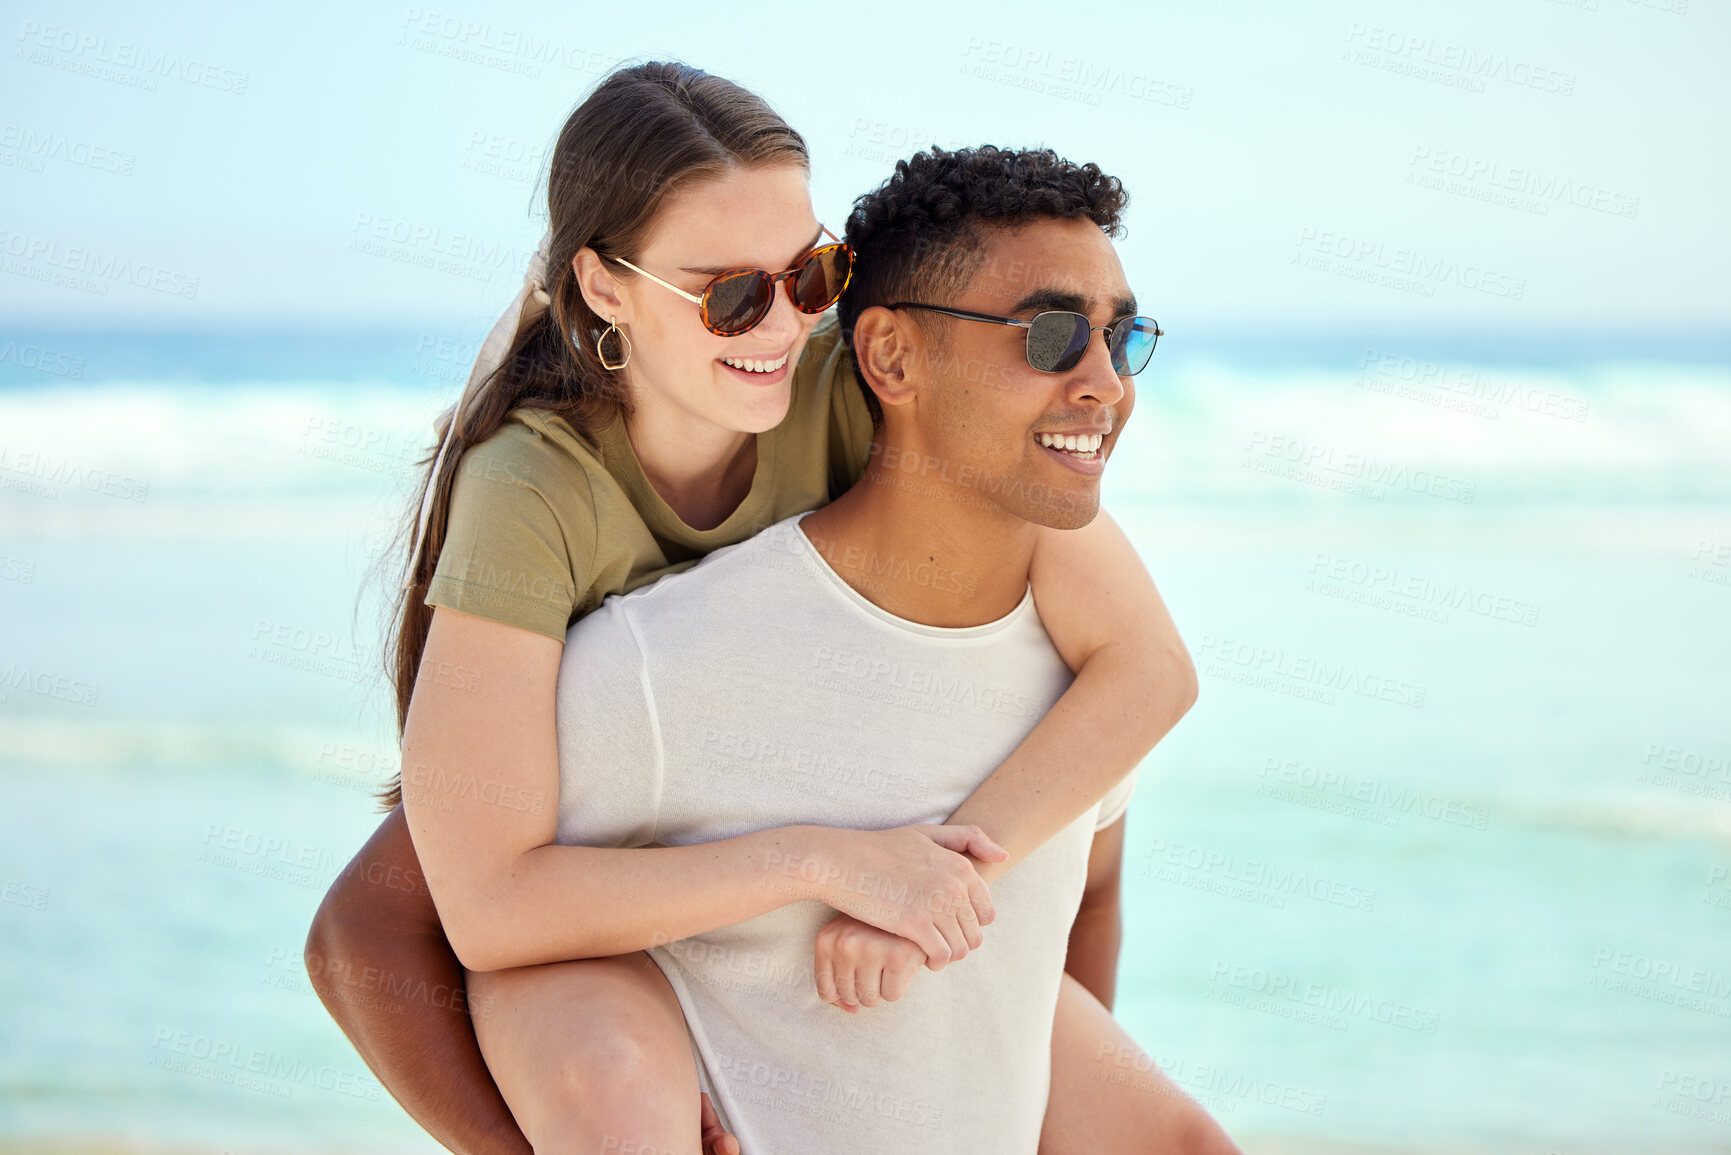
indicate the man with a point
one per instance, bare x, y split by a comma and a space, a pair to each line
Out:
896, 624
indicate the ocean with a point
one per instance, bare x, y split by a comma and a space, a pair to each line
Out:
1441, 860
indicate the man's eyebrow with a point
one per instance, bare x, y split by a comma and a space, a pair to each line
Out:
1041, 299
1051, 299
717, 270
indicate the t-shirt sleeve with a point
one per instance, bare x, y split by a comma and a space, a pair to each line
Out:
850, 422
1116, 802
520, 537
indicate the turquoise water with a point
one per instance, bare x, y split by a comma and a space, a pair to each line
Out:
1441, 860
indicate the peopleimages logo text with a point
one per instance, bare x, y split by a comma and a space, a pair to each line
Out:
1411, 262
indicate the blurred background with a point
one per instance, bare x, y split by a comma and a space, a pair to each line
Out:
1433, 470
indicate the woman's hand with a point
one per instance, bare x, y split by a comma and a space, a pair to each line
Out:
912, 881
857, 965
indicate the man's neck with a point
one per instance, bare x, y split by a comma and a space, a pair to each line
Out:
923, 546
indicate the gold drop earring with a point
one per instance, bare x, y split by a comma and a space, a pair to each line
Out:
612, 327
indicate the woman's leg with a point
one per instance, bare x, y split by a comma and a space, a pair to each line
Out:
592, 1056
1108, 1095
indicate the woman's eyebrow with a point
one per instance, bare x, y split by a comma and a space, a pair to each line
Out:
717, 270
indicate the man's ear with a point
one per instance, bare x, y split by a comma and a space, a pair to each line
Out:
884, 345
599, 287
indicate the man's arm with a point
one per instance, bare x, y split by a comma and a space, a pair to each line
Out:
1098, 930
1134, 681
376, 932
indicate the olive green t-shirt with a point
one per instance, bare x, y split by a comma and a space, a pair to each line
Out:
546, 521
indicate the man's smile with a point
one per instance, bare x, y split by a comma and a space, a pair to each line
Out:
1077, 448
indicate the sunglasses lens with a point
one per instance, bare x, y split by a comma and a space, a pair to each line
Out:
1056, 341
734, 304
821, 278
1133, 341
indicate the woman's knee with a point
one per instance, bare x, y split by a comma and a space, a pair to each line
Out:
596, 1048
612, 1089
612, 1055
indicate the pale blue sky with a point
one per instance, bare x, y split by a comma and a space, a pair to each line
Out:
1248, 135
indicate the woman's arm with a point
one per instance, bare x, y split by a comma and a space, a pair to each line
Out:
855, 965
479, 752
1134, 681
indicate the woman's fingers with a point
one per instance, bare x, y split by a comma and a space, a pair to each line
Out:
885, 971
827, 962
857, 965
965, 840
899, 974
966, 918
863, 984
948, 902
867, 981
844, 984
983, 847
980, 895
958, 942
823, 973
932, 941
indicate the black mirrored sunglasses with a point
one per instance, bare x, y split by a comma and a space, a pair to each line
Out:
1058, 338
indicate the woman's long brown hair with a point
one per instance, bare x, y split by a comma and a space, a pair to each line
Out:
643, 131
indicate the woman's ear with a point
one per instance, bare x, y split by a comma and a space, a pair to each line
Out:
885, 350
599, 287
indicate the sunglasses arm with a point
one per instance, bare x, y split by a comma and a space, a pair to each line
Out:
965, 314
693, 298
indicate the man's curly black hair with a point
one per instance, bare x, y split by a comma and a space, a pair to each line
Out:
919, 236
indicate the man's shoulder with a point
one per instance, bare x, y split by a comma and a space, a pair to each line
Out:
729, 582
737, 570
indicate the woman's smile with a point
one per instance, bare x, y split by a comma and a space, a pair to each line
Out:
758, 370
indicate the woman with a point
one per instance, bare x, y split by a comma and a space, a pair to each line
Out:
623, 437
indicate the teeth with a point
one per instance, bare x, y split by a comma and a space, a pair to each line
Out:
1073, 442
753, 365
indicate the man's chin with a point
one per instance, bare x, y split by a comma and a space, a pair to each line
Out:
1070, 506
1069, 518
